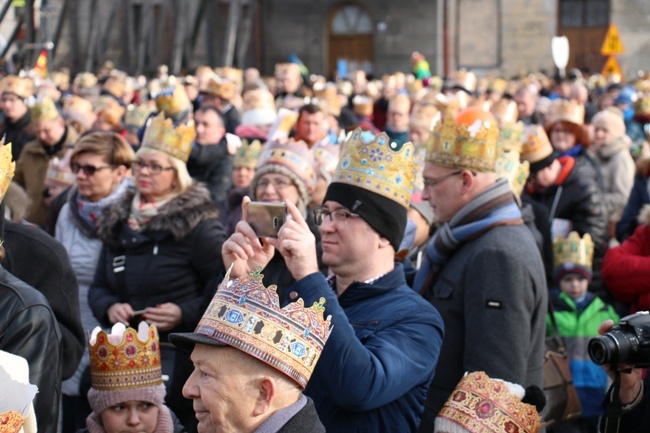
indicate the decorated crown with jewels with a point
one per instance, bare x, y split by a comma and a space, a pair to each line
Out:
482, 404
137, 115
246, 315
536, 144
248, 154
161, 135
377, 164
172, 99
573, 250
511, 136
125, 358
508, 166
7, 167
43, 109
462, 147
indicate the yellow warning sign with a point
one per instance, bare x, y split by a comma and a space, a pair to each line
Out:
612, 67
612, 44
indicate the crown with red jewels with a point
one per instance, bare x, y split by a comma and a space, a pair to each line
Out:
246, 315
378, 164
161, 135
481, 404
459, 146
125, 358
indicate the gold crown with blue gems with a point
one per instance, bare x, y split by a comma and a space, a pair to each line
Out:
378, 164
246, 315
462, 147
161, 135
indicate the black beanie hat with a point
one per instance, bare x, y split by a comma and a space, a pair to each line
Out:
385, 216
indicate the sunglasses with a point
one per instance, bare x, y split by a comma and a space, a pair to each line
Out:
88, 169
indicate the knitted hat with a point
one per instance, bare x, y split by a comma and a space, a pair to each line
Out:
480, 404
292, 159
375, 178
612, 118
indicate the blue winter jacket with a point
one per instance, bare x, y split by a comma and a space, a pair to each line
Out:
376, 367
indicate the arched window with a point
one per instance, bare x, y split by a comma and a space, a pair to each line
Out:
351, 32
351, 20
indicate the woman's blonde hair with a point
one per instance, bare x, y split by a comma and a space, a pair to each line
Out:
183, 178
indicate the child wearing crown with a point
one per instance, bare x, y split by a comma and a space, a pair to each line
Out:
578, 313
127, 392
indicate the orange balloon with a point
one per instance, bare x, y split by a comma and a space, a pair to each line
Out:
470, 115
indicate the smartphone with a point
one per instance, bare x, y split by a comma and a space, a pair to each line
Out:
266, 218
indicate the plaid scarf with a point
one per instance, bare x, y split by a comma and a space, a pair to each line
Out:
493, 207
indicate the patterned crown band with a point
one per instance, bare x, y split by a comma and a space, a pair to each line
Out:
481, 404
377, 164
126, 358
246, 315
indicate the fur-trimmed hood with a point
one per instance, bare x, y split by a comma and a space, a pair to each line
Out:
178, 217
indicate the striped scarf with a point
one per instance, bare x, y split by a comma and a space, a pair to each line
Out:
493, 207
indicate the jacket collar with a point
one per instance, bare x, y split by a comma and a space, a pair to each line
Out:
360, 291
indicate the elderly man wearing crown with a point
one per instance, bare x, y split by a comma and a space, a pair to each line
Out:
374, 371
482, 269
52, 140
252, 360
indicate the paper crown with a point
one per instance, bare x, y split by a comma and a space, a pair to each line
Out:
7, 167
21, 87
505, 110
467, 143
508, 166
172, 99
511, 136
642, 106
562, 110
327, 158
246, 315
221, 88
43, 109
423, 116
464, 79
536, 145
327, 99
85, 80
16, 395
116, 86
58, 170
497, 85
161, 135
258, 108
126, 358
481, 404
377, 164
235, 75
78, 104
137, 115
362, 105
293, 155
573, 250
248, 154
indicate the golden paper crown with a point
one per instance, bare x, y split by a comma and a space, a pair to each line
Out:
235, 75
85, 80
7, 167
161, 135
511, 136
573, 250
246, 315
125, 360
423, 116
221, 88
508, 166
248, 154
11, 422
137, 115
376, 163
21, 87
505, 110
43, 109
172, 99
256, 99
116, 86
327, 99
78, 104
465, 79
642, 106
562, 110
536, 145
459, 146
497, 85
481, 404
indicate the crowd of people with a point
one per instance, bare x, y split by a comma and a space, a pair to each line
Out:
434, 232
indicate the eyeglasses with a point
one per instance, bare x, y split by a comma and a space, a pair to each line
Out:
431, 182
336, 216
560, 131
153, 168
278, 184
88, 169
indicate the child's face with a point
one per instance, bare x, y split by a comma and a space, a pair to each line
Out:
574, 285
138, 416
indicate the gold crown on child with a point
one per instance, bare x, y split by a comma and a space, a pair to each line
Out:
248, 154
247, 315
573, 250
129, 360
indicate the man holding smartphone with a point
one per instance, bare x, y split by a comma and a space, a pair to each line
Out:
375, 370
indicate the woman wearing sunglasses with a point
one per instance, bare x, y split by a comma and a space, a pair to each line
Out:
162, 246
100, 162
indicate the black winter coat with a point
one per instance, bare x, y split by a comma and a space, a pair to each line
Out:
171, 260
16, 134
212, 165
29, 329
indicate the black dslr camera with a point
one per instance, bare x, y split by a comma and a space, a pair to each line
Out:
626, 343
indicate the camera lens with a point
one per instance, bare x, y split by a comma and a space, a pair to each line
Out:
611, 348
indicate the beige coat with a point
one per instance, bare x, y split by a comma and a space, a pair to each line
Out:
31, 169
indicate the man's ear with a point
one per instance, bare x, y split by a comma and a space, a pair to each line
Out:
266, 393
383, 242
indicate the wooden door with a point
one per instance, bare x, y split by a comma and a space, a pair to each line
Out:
351, 38
584, 23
